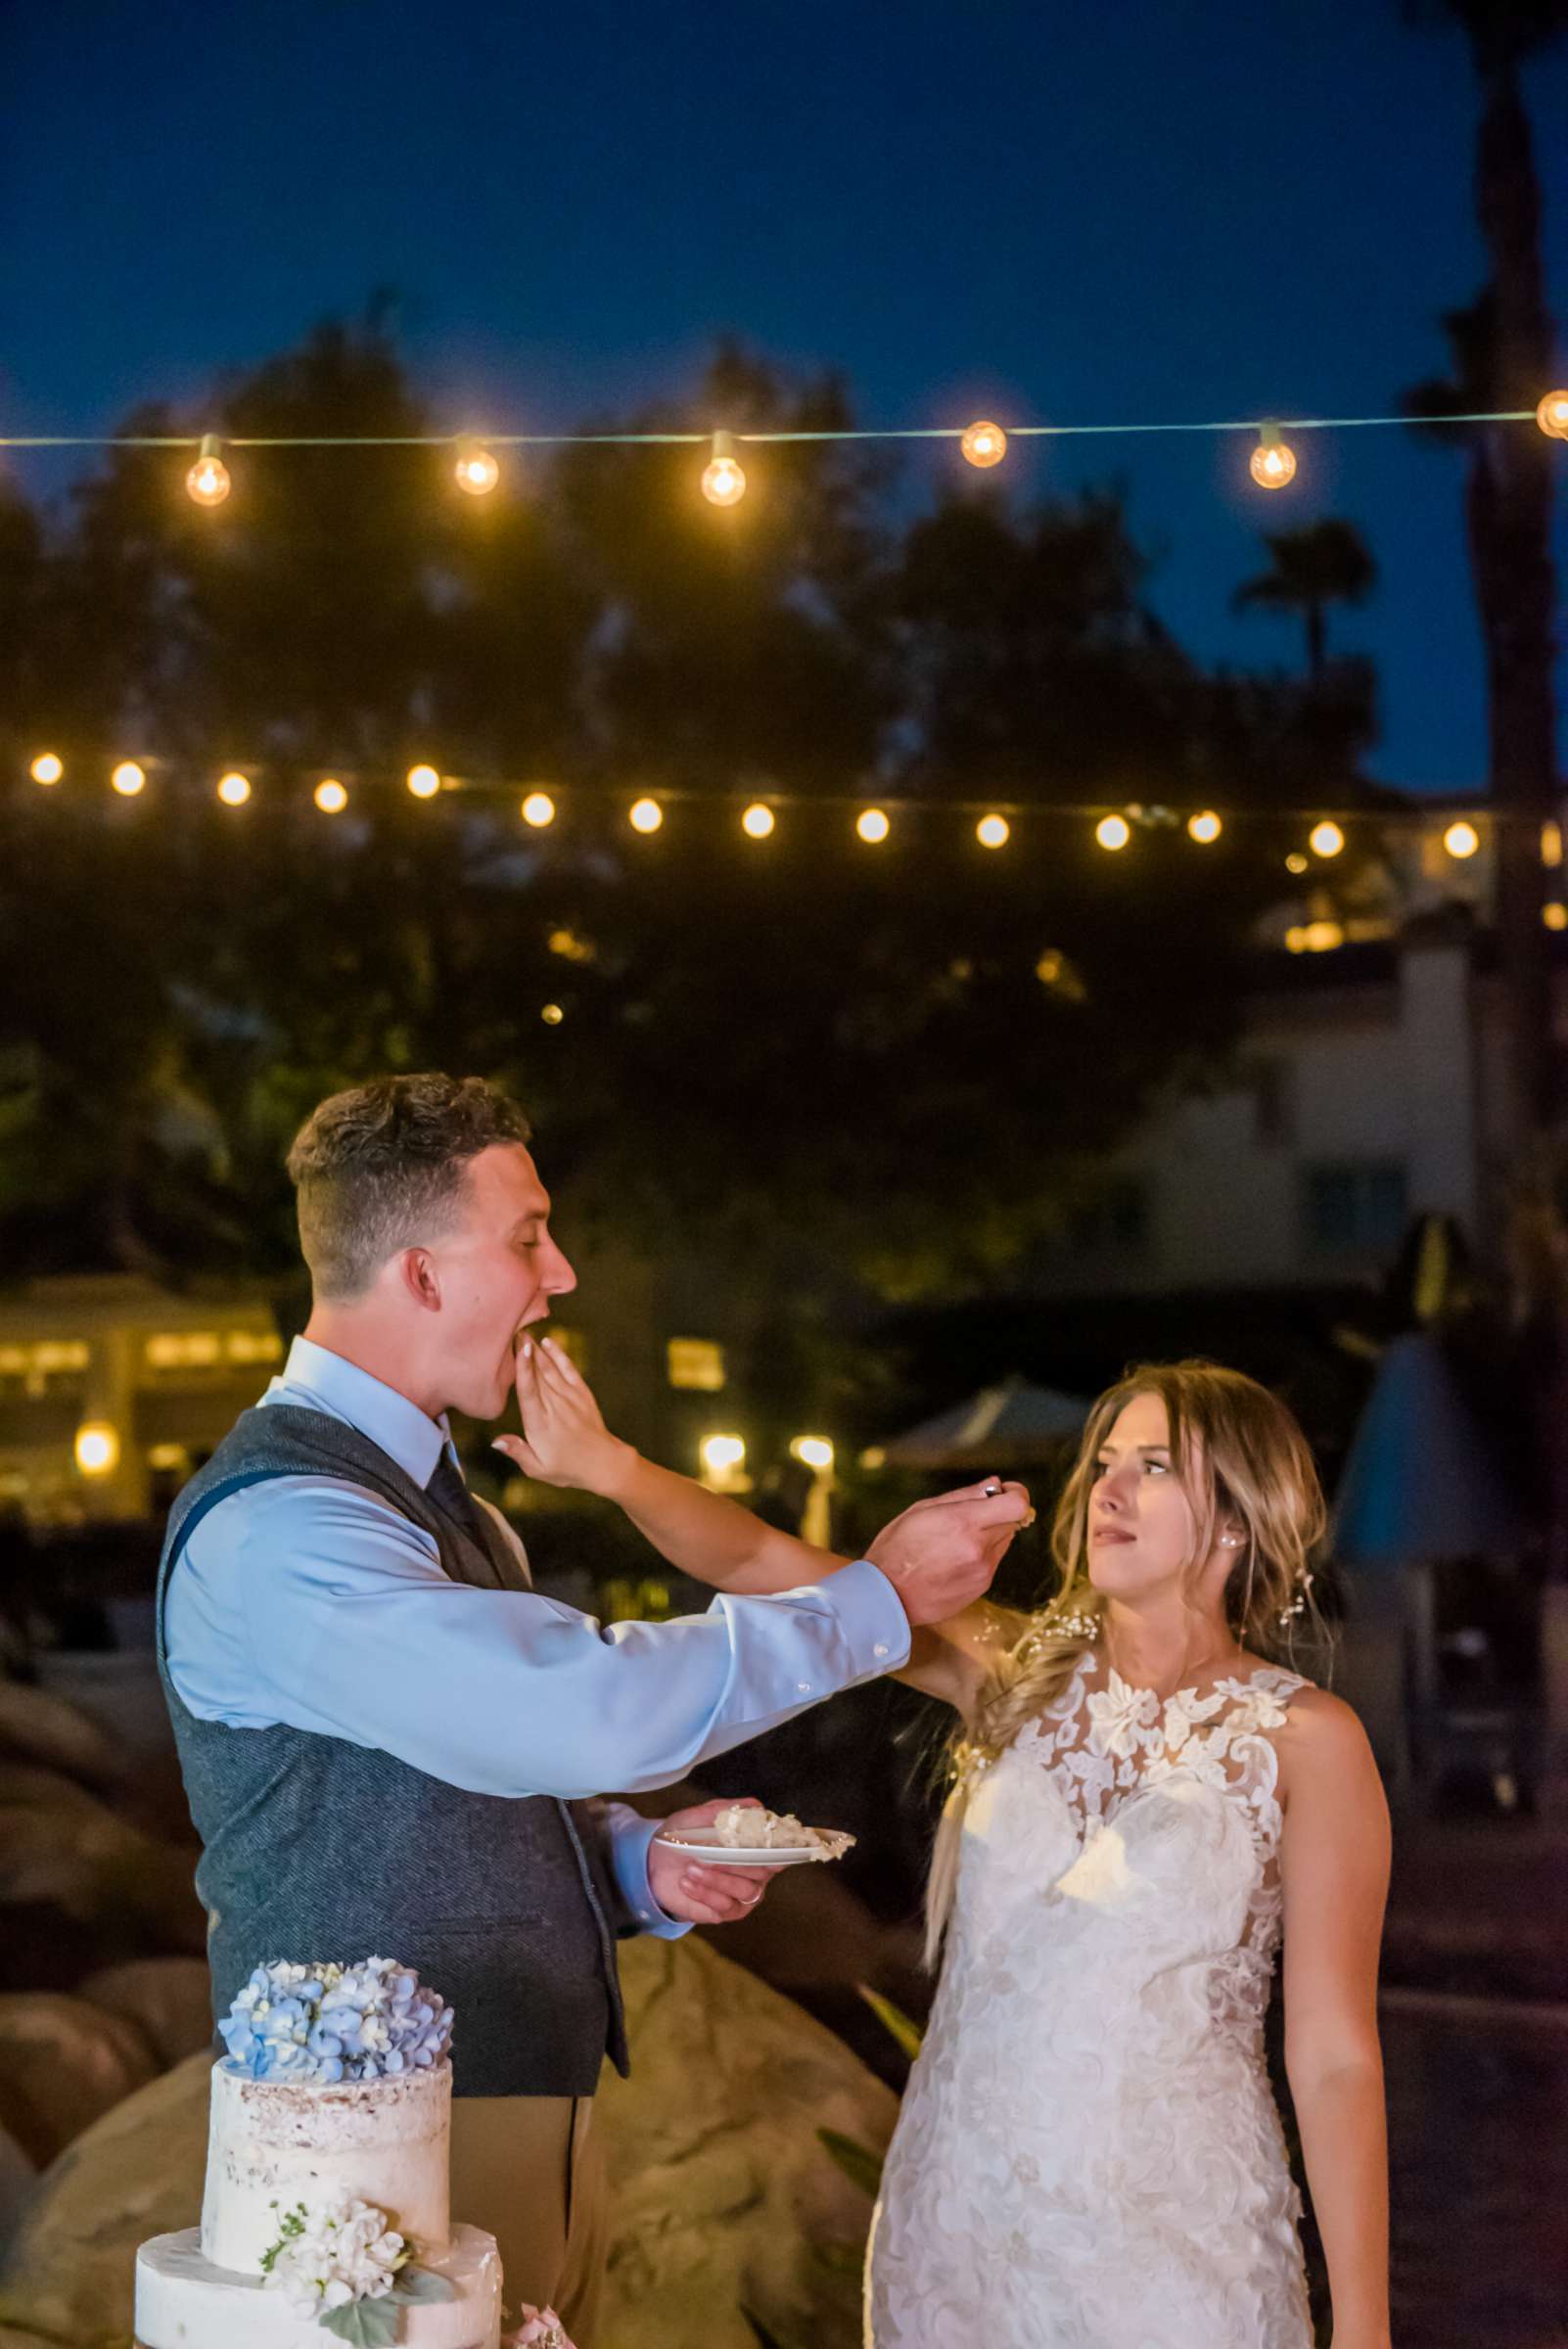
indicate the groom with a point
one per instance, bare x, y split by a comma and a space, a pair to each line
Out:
390, 1743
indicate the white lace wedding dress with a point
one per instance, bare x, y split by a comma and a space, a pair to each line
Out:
1088, 2155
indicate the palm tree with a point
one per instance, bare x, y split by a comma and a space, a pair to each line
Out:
1503, 346
1327, 563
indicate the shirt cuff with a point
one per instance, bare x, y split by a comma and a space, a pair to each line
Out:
630, 1838
871, 1615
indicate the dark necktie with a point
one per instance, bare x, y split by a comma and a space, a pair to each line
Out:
456, 1503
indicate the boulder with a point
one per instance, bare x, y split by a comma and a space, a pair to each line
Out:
86, 1861
169, 2000
37, 1726
721, 2194
63, 2065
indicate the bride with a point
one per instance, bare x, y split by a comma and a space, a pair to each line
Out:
1088, 2155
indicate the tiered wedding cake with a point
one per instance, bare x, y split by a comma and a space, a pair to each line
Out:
326, 2204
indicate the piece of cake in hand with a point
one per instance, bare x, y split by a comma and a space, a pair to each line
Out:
748, 1828
326, 2207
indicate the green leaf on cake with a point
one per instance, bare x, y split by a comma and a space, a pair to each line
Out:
421, 2284
364, 2324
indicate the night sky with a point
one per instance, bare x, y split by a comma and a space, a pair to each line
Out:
1062, 213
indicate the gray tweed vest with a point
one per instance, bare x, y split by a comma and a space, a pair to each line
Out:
316, 1847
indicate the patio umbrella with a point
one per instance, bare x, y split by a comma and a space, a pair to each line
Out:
1011, 1425
1419, 1485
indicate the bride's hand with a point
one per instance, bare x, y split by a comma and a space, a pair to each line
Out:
564, 1440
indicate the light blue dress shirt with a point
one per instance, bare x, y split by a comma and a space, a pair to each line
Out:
307, 1601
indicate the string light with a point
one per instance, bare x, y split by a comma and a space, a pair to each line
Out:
813, 1452
992, 831
552, 1015
872, 825
1273, 461
128, 779
646, 815
1461, 840
723, 480
757, 821
538, 810
47, 767
331, 796
1205, 827
721, 1455
234, 790
1554, 914
424, 782
1550, 843
1552, 415
477, 471
1113, 832
208, 480
985, 444
1325, 839
1296, 862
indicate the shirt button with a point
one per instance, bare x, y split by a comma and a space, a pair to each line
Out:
881, 1648
803, 1687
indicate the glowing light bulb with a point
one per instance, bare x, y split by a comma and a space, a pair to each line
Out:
1273, 461
424, 782
47, 767
1295, 863
128, 779
993, 831
477, 471
872, 825
234, 790
985, 444
1113, 832
1461, 838
538, 810
646, 815
1325, 839
1322, 938
815, 1451
552, 1015
208, 480
1205, 828
1552, 415
97, 1447
330, 795
721, 1455
758, 820
1554, 914
1550, 843
723, 480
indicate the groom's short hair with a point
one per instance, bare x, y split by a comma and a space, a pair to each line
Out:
384, 1167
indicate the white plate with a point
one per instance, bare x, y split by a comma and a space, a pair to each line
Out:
703, 1844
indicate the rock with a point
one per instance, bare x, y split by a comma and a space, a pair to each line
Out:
169, 1999
63, 2065
100, 1871
721, 2193
40, 1728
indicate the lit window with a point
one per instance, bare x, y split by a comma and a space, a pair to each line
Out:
59, 1353
184, 1349
696, 1364
253, 1345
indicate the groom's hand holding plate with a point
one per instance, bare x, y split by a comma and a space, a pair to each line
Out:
942, 1555
691, 1890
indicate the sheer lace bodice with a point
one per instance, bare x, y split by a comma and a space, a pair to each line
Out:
1088, 2155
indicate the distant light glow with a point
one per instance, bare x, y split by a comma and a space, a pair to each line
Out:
1461, 838
234, 790
757, 821
538, 810
1325, 839
424, 782
646, 815
47, 767
985, 444
1205, 827
1113, 832
872, 825
331, 796
992, 831
128, 779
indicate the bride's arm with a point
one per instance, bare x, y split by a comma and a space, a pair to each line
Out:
565, 1442
954, 1660
1334, 1866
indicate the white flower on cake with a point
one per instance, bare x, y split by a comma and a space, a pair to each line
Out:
346, 2267
747, 1827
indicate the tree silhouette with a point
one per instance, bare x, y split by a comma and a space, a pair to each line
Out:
1327, 563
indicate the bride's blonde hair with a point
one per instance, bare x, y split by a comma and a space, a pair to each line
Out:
1241, 1457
